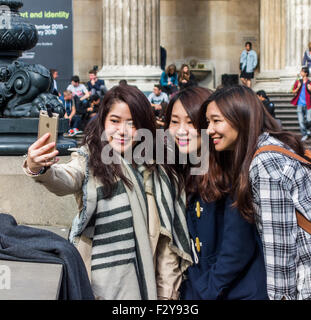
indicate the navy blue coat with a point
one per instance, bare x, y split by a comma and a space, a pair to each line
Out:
230, 261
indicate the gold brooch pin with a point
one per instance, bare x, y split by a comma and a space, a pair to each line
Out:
198, 209
198, 244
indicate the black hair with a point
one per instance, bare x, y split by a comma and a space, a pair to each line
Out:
306, 70
94, 97
123, 82
262, 93
250, 44
75, 78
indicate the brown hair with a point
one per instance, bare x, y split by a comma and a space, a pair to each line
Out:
191, 98
171, 66
67, 92
142, 117
182, 74
229, 170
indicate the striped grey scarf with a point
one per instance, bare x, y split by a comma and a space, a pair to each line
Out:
122, 262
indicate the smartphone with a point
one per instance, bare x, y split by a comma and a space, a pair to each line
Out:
48, 124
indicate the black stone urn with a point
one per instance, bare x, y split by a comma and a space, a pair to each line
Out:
16, 35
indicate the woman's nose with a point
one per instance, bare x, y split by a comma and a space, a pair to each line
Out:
182, 129
210, 129
122, 128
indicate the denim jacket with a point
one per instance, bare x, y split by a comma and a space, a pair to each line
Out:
248, 59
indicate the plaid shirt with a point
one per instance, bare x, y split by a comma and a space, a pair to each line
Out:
280, 185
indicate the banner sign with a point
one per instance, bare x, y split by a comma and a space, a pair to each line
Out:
54, 50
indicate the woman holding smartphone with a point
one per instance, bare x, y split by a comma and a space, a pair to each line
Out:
131, 229
226, 249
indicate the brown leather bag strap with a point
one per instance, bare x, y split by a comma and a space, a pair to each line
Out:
283, 151
302, 221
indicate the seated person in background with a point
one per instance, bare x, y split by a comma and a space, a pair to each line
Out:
169, 80
158, 100
95, 85
160, 116
54, 75
70, 113
186, 77
266, 102
261, 94
92, 110
79, 90
123, 82
157, 97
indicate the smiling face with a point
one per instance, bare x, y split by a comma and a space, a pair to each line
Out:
156, 91
119, 127
182, 129
92, 76
223, 135
185, 69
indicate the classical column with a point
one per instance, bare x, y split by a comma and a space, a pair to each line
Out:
272, 44
131, 42
298, 35
298, 14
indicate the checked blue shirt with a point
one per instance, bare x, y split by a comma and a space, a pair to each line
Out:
280, 185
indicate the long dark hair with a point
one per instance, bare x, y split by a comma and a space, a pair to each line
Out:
229, 170
191, 98
142, 116
182, 74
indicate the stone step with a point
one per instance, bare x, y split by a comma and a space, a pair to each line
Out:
283, 105
280, 94
284, 117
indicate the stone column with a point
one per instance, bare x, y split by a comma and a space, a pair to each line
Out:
131, 42
298, 14
272, 44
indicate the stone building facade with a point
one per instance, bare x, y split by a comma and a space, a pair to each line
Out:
123, 38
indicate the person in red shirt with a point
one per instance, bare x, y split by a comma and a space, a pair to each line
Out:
302, 99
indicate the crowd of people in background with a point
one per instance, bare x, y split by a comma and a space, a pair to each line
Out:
81, 102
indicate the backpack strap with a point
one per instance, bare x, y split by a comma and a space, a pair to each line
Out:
302, 221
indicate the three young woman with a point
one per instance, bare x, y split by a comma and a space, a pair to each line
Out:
226, 249
131, 227
132, 216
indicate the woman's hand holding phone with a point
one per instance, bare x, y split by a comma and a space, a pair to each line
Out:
41, 154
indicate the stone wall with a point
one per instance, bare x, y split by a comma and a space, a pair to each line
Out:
87, 36
30, 202
209, 29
